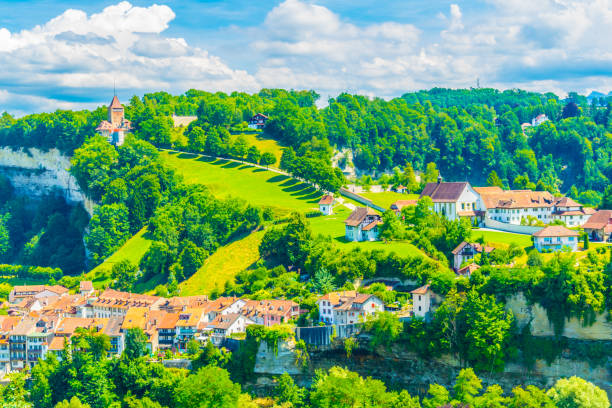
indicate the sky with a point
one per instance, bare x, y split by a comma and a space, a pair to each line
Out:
69, 54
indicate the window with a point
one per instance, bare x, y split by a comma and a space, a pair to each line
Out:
419, 308
463, 206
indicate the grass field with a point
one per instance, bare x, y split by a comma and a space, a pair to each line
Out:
264, 144
133, 250
257, 186
494, 238
333, 226
223, 265
388, 197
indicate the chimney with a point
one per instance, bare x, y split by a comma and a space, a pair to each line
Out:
439, 178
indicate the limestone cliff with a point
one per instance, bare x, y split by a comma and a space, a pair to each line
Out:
34, 172
400, 368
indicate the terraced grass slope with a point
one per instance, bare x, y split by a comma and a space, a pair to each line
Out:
257, 186
223, 265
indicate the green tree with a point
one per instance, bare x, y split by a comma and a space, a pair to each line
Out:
73, 403
431, 174
385, 329
197, 139
117, 192
287, 392
5, 239
467, 386
494, 181
240, 147
253, 154
91, 165
530, 397
391, 227
193, 347
135, 344
437, 396
574, 392
124, 275
606, 199
156, 260
267, 159
209, 387
487, 332
157, 130
109, 228
191, 258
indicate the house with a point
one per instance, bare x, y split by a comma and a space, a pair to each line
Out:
86, 288
570, 212
19, 293
468, 270
397, 206
348, 307
258, 121
114, 333
362, 225
179, 303
166, 331
115, 303
271, 312
18, 342
454, 200
401, 189
516, 206
555, 238
116, 127
466, 251
326, 204
7, 323
538, 120
187, 326
424, 301
225, 325
599, 226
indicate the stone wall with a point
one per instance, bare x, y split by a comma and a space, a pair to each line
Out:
34, 173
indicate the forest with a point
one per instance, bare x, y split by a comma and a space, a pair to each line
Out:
467, 133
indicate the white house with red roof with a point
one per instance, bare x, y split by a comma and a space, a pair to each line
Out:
424, 301
348, 307
570, 212
258, 121
454, 200
555, 238
116, 127
326, 204
466, 251
599, 226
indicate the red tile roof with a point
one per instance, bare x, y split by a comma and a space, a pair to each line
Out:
115, 103
421, 291
556, 231
326, 200
599, 220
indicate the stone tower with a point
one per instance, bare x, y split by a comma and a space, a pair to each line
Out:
115, 112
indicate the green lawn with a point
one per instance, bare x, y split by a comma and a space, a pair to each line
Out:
264, 144
133, 250
494, 238
388, 197
223, 265
333, 226
257, 186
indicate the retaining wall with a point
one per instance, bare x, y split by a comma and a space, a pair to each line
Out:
518, 229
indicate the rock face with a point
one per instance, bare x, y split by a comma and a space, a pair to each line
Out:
268, 362
34, 173
402, 369
535, 314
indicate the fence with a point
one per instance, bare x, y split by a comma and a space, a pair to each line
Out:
504, 226
322, 335
361, 199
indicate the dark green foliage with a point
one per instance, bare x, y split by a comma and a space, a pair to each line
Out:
135, 344
124, 275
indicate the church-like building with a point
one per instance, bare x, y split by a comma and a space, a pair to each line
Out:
116, 127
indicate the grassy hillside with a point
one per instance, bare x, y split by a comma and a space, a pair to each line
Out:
264, 144
388, 197
257, 186
133, 250
223, 265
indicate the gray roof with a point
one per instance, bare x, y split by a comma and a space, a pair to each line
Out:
444, 192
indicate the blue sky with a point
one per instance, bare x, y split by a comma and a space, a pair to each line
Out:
66, 54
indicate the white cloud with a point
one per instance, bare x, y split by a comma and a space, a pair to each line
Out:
78, 57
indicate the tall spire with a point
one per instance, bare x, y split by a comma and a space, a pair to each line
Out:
114, 87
